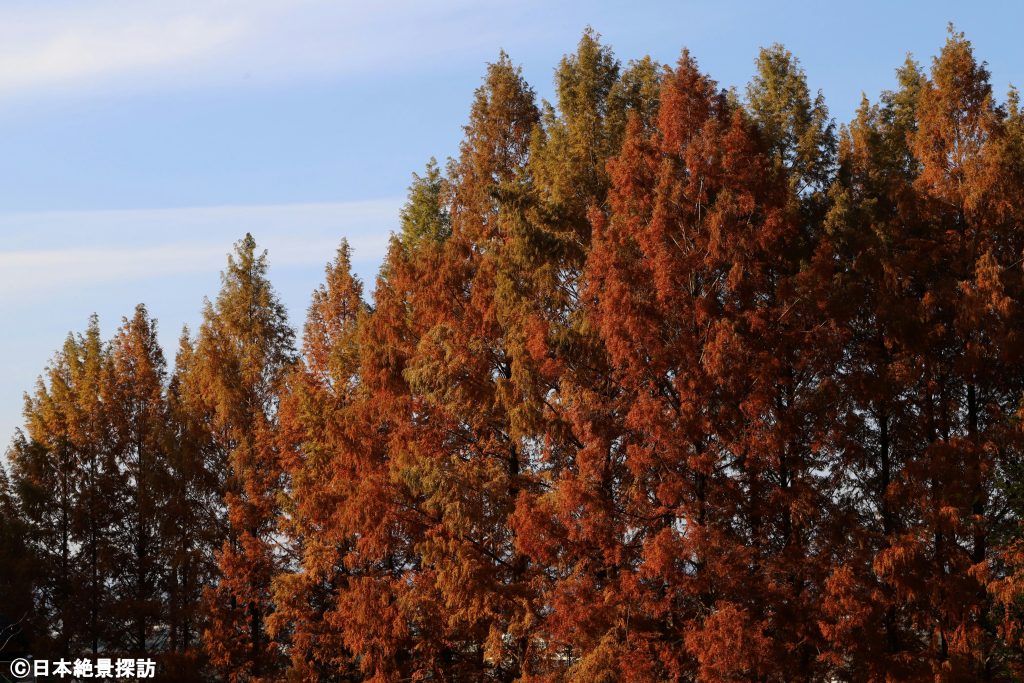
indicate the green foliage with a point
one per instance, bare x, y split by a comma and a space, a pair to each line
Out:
797, 128
659, 383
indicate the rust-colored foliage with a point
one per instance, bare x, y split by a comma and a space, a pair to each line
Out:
242, 353
656, 383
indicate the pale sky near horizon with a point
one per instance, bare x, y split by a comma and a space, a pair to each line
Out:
138, 141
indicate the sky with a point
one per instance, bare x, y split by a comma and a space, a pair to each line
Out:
140, 140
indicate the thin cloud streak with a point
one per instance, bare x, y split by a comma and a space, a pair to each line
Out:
190, 240
76, 55
66, 46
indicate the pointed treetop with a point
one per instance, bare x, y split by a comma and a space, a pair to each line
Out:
329, 337
501, 120
956, 117
687, 101
957, 72
425, 216
901, 104
795, 125
585, 78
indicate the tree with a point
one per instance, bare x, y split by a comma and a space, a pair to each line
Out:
317, 444
18, 624
193, 525
797, 128
386, 624
971, 399
696, 290
568, 406
931, 396
243, 351
1006, 503
868, 619
140, 436
468, 460
65, 476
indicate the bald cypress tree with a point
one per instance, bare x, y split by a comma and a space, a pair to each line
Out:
18, 621
570, 521
193, 527
872, 215
65, 476
657, 383
469, 460
685, 283
388, 621
243, 350
319, 454
140, 425
971, 397
795, 125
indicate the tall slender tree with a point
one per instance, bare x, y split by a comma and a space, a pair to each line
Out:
140, 437
872, 220
243, 351
571, 524
968, 399
317, 444
386, 623
18, 621
194, 527
472, 461
694, 282
65, 476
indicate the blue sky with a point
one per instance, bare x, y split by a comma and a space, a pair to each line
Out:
139, 140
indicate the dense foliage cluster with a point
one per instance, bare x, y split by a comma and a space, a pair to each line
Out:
660, 382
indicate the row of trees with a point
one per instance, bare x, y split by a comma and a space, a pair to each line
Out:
660, 382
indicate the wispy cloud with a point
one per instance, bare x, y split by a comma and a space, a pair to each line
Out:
101, 247
71, 45
62, 44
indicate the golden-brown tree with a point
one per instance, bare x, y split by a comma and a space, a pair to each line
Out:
242, 353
